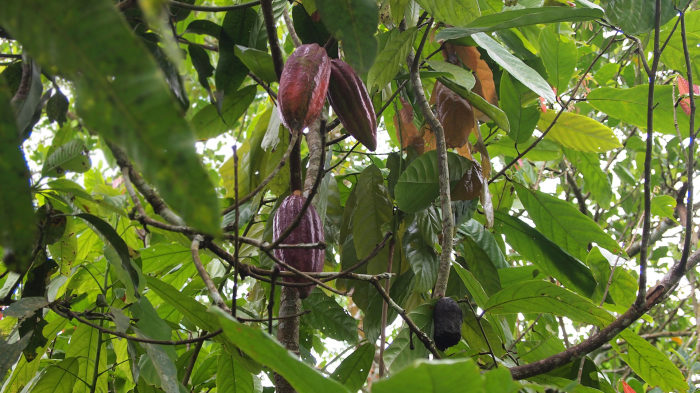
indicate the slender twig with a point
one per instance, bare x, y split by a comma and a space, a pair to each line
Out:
208, 8
483, 333
290, 28
385, 309
646, 223
236, 242
193, 360
422, 336
213, 291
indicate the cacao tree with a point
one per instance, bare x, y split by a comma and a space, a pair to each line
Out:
497, 196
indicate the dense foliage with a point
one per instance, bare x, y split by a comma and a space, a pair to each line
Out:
534, 162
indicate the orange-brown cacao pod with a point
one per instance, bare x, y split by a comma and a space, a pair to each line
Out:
309, 230
303, 86
350, 101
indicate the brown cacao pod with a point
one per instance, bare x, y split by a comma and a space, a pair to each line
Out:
303, 86
455, 114
350, 101
447, 323
309, 230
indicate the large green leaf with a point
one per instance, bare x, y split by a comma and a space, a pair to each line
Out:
83, 346
374, 210
59, 378
482, 254
421, 256
402, 351
353, 371
545, 254
71, 156
354, 23
578, 132
630, 106
559, 55
514, 66
472, 284
596, 181
18, 228
562, 223
231, 376
122, 95
651, 364
457, 375
544, 151
537, 296
189, 307
459, 75
674, 56
418, 185
522, 17
452, 12
391, 58
266, 350
521, 119
636, 16
235, 29
125, 270
258, 62
329, 317
211, 121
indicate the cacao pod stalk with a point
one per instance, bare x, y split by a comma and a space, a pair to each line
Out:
309, 230
350, 101
303, 86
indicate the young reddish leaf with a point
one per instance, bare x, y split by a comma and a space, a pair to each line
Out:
406, 131
684, 90
470, 57
627, 388
455, 114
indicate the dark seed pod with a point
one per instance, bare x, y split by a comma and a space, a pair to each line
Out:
350, 101
309, 230
303, 86
447, 323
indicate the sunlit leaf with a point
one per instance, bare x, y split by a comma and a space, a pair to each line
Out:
578, 132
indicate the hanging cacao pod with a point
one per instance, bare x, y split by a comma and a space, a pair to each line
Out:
303, 86
350, 101
447, 323
309, 230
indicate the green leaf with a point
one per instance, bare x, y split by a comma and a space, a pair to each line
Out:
165, 368
483, 255
133, 107
562, 223
458, 375
258, 62
537, 296
521, 119
125, 270
452, 12
400, 353
578, 132
544, 151
630, 106
84, 344
460, 75
25, 307
559, 55
329, 317
391, 58
59, 378
418, 185
516, 18
663, 206
421, 256
57, 107
636, 16
266, 350
519, 70
211, 121
492, 111
202, 64
189, 307
374, 210
231, 376
235, 29
11, 352
674, 56
71, 156
18, 231
353, 371
651, 364
596, 181
472, 284
353, 22
545, 254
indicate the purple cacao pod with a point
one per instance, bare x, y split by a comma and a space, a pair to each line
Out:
350, 101
309, 230
303, 86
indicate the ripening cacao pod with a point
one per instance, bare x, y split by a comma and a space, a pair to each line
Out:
303, 86
350, 101
447, 323
454, 113
309, 230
